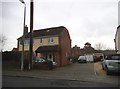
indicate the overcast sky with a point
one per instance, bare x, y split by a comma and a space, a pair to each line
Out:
93, 21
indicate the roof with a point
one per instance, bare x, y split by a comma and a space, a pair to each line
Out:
46, 32
43, 49
118, 27
87, 43
117, 32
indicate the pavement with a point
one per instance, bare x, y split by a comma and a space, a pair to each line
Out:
69, 72
98, 69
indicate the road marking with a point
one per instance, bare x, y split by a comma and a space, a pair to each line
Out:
95, 73
95, 70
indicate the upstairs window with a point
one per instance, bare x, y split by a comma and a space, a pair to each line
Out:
41, 40
26, 42
50, 40
20, 41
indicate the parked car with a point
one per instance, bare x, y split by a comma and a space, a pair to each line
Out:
111, 64
54, 63
40, 62
101, 60
82, 59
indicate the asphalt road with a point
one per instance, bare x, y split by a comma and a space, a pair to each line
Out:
39, 82
74, 75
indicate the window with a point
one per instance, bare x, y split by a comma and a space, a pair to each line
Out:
50, 40
41, 40
26, 42
116, 57
21, 42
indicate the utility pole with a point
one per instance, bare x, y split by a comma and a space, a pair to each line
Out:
31, 34
23, 37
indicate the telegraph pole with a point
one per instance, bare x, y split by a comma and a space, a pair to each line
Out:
23, 37
31, 34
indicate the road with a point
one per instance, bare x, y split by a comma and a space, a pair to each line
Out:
75, 75
39, 82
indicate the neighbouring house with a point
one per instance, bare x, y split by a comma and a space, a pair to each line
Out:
75, 52
117, 40
52, 43
88, 49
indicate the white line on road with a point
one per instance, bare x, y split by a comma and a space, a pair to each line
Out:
95, 70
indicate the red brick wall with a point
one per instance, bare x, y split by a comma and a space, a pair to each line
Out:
57, 58
65, 46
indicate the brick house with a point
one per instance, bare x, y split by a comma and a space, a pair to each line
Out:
52, 43
75, 52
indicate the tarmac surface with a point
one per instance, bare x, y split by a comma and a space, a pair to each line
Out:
88, 72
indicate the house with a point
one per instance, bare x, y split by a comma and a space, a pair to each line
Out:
117, 40
75, 53
88, 49
52, 43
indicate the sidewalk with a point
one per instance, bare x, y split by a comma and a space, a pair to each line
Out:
69, 72
99, 70
49, 74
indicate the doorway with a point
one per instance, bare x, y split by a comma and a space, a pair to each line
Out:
50, 56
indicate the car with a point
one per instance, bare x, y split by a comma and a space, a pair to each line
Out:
54, 64
41, 62
82, 59
111, 64
101, 60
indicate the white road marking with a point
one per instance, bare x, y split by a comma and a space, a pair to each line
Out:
95, 70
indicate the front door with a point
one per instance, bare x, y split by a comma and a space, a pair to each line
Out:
50, 56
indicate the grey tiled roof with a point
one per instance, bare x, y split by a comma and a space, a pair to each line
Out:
46, 32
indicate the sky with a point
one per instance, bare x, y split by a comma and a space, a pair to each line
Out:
93, 21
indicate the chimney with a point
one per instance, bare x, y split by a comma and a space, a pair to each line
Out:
25, 30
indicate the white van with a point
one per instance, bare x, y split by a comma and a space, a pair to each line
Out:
82, 59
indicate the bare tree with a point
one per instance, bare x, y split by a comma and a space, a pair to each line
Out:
100, 46
2, 41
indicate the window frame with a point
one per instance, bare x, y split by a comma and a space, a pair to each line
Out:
41, 40
50, 40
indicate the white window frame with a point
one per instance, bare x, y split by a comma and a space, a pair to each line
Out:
50, 40
41, 40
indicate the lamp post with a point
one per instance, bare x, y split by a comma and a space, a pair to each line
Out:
23, 37
31, 34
